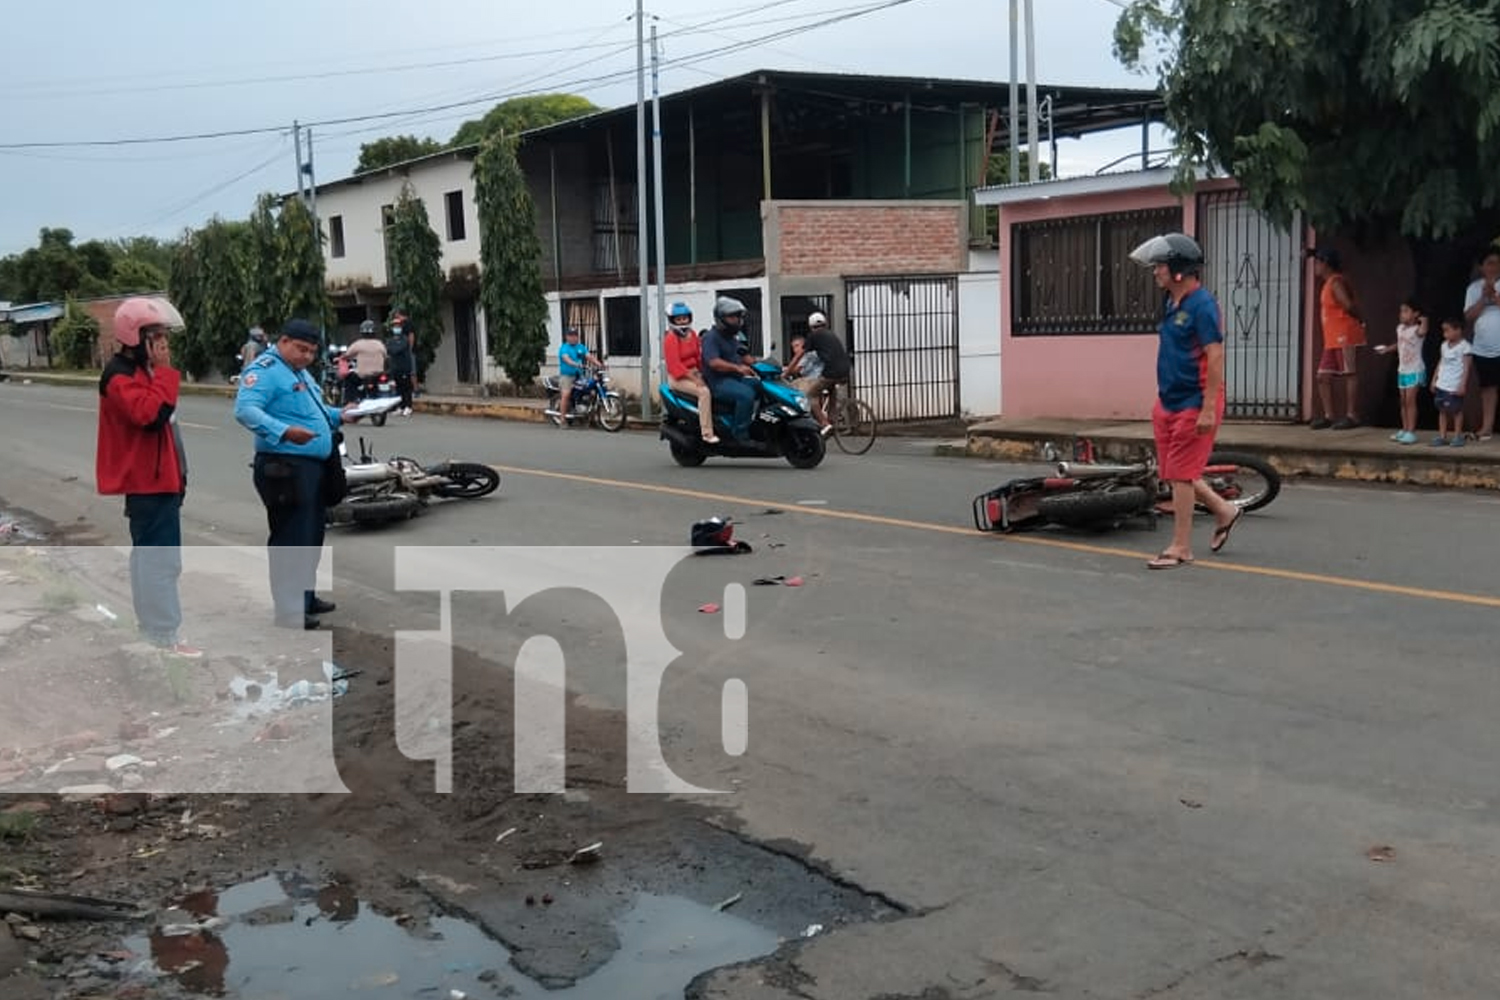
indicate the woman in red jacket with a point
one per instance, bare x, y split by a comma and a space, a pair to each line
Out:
685, 366
140, 456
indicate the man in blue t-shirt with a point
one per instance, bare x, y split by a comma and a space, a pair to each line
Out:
726, 365
573, 359
1189, 391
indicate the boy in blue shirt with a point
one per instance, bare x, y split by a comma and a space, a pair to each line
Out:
573, 360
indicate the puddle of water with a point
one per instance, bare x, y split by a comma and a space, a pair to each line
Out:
289, 940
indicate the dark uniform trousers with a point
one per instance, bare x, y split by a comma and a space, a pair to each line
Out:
291, 487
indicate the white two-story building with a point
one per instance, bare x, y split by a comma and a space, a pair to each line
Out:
355, 213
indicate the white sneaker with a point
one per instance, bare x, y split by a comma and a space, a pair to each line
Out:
406, 411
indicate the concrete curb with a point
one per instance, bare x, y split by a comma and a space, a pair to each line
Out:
1354, 462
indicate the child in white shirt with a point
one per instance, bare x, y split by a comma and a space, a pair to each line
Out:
1410, 371
1449, 382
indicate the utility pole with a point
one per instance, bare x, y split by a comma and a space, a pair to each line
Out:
1035, 160
640, 202
1015, 93
661, 229
312, 209
297, 147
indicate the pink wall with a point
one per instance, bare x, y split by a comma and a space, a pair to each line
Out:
1087, 377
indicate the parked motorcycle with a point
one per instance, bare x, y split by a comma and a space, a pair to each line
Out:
331, 382
593, 400
781, 428
1089, 495
399, 488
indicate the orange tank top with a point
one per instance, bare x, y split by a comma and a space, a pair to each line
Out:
1340, 328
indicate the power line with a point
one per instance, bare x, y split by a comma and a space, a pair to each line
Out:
176, 209
410, 113
366, 70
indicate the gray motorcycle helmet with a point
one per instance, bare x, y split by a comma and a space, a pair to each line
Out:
1178, 251
367, 328
726, 306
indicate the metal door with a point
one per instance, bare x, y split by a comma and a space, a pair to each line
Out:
1255, 271
903, 339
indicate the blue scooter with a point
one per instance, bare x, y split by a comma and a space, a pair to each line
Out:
782, 427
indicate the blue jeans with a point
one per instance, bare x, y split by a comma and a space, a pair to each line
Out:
742, 395
156, 564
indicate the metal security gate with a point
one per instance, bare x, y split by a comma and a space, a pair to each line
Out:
903, 337
1255, 270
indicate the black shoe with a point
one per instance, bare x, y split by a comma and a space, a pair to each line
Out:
1320, 424
1345, 424
307, 623
318, 606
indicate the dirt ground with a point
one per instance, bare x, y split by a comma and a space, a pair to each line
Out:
88, 709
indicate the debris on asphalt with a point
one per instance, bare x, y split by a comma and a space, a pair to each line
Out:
794, 581
587, 855
507, 833
106, 612
1191, 803
709, 609
812, 929
768, 581
726, 904
1383, 852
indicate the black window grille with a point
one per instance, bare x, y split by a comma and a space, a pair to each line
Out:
1074, 275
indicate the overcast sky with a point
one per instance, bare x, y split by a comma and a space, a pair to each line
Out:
158, 68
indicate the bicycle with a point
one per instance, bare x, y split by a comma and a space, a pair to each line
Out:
853, 421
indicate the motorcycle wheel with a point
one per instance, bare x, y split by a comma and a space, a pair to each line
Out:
804, 448
378, 419
611, 413
1247, 481
470, 480
1078, 510
688, 458
381, 508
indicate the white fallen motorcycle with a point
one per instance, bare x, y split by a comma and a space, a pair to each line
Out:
398, 488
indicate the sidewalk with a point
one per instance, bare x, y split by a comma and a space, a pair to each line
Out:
1365, 454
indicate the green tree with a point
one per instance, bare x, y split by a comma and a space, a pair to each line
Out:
394, 149
75, 338
518, 114
185, 289
132, 274
299, 265
264, 280
515, 306
417, 273
209, 285
147, 250
1382, 114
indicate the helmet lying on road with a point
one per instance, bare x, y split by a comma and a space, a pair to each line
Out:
1179, 252
140, 313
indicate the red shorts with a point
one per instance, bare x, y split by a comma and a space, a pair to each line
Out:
1336, 361
1181, 452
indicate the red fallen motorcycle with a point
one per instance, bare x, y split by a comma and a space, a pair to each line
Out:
1090, 495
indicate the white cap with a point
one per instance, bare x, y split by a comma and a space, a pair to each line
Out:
817, 319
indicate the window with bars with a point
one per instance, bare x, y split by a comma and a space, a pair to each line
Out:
582, 314
1075, 276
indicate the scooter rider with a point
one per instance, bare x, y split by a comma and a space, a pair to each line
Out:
726, 369
366, 357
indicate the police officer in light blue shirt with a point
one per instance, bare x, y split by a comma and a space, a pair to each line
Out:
279, 402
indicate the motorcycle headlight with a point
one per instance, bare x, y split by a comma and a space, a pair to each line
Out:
790, 411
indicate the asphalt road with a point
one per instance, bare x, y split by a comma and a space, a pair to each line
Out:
1082, 778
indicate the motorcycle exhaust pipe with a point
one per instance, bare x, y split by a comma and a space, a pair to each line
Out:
1088, 470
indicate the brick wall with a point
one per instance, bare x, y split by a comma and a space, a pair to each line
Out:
831, 238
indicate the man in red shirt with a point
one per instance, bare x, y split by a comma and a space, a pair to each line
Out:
685, 366
140, 456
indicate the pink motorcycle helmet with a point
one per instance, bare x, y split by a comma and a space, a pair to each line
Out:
135, 314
